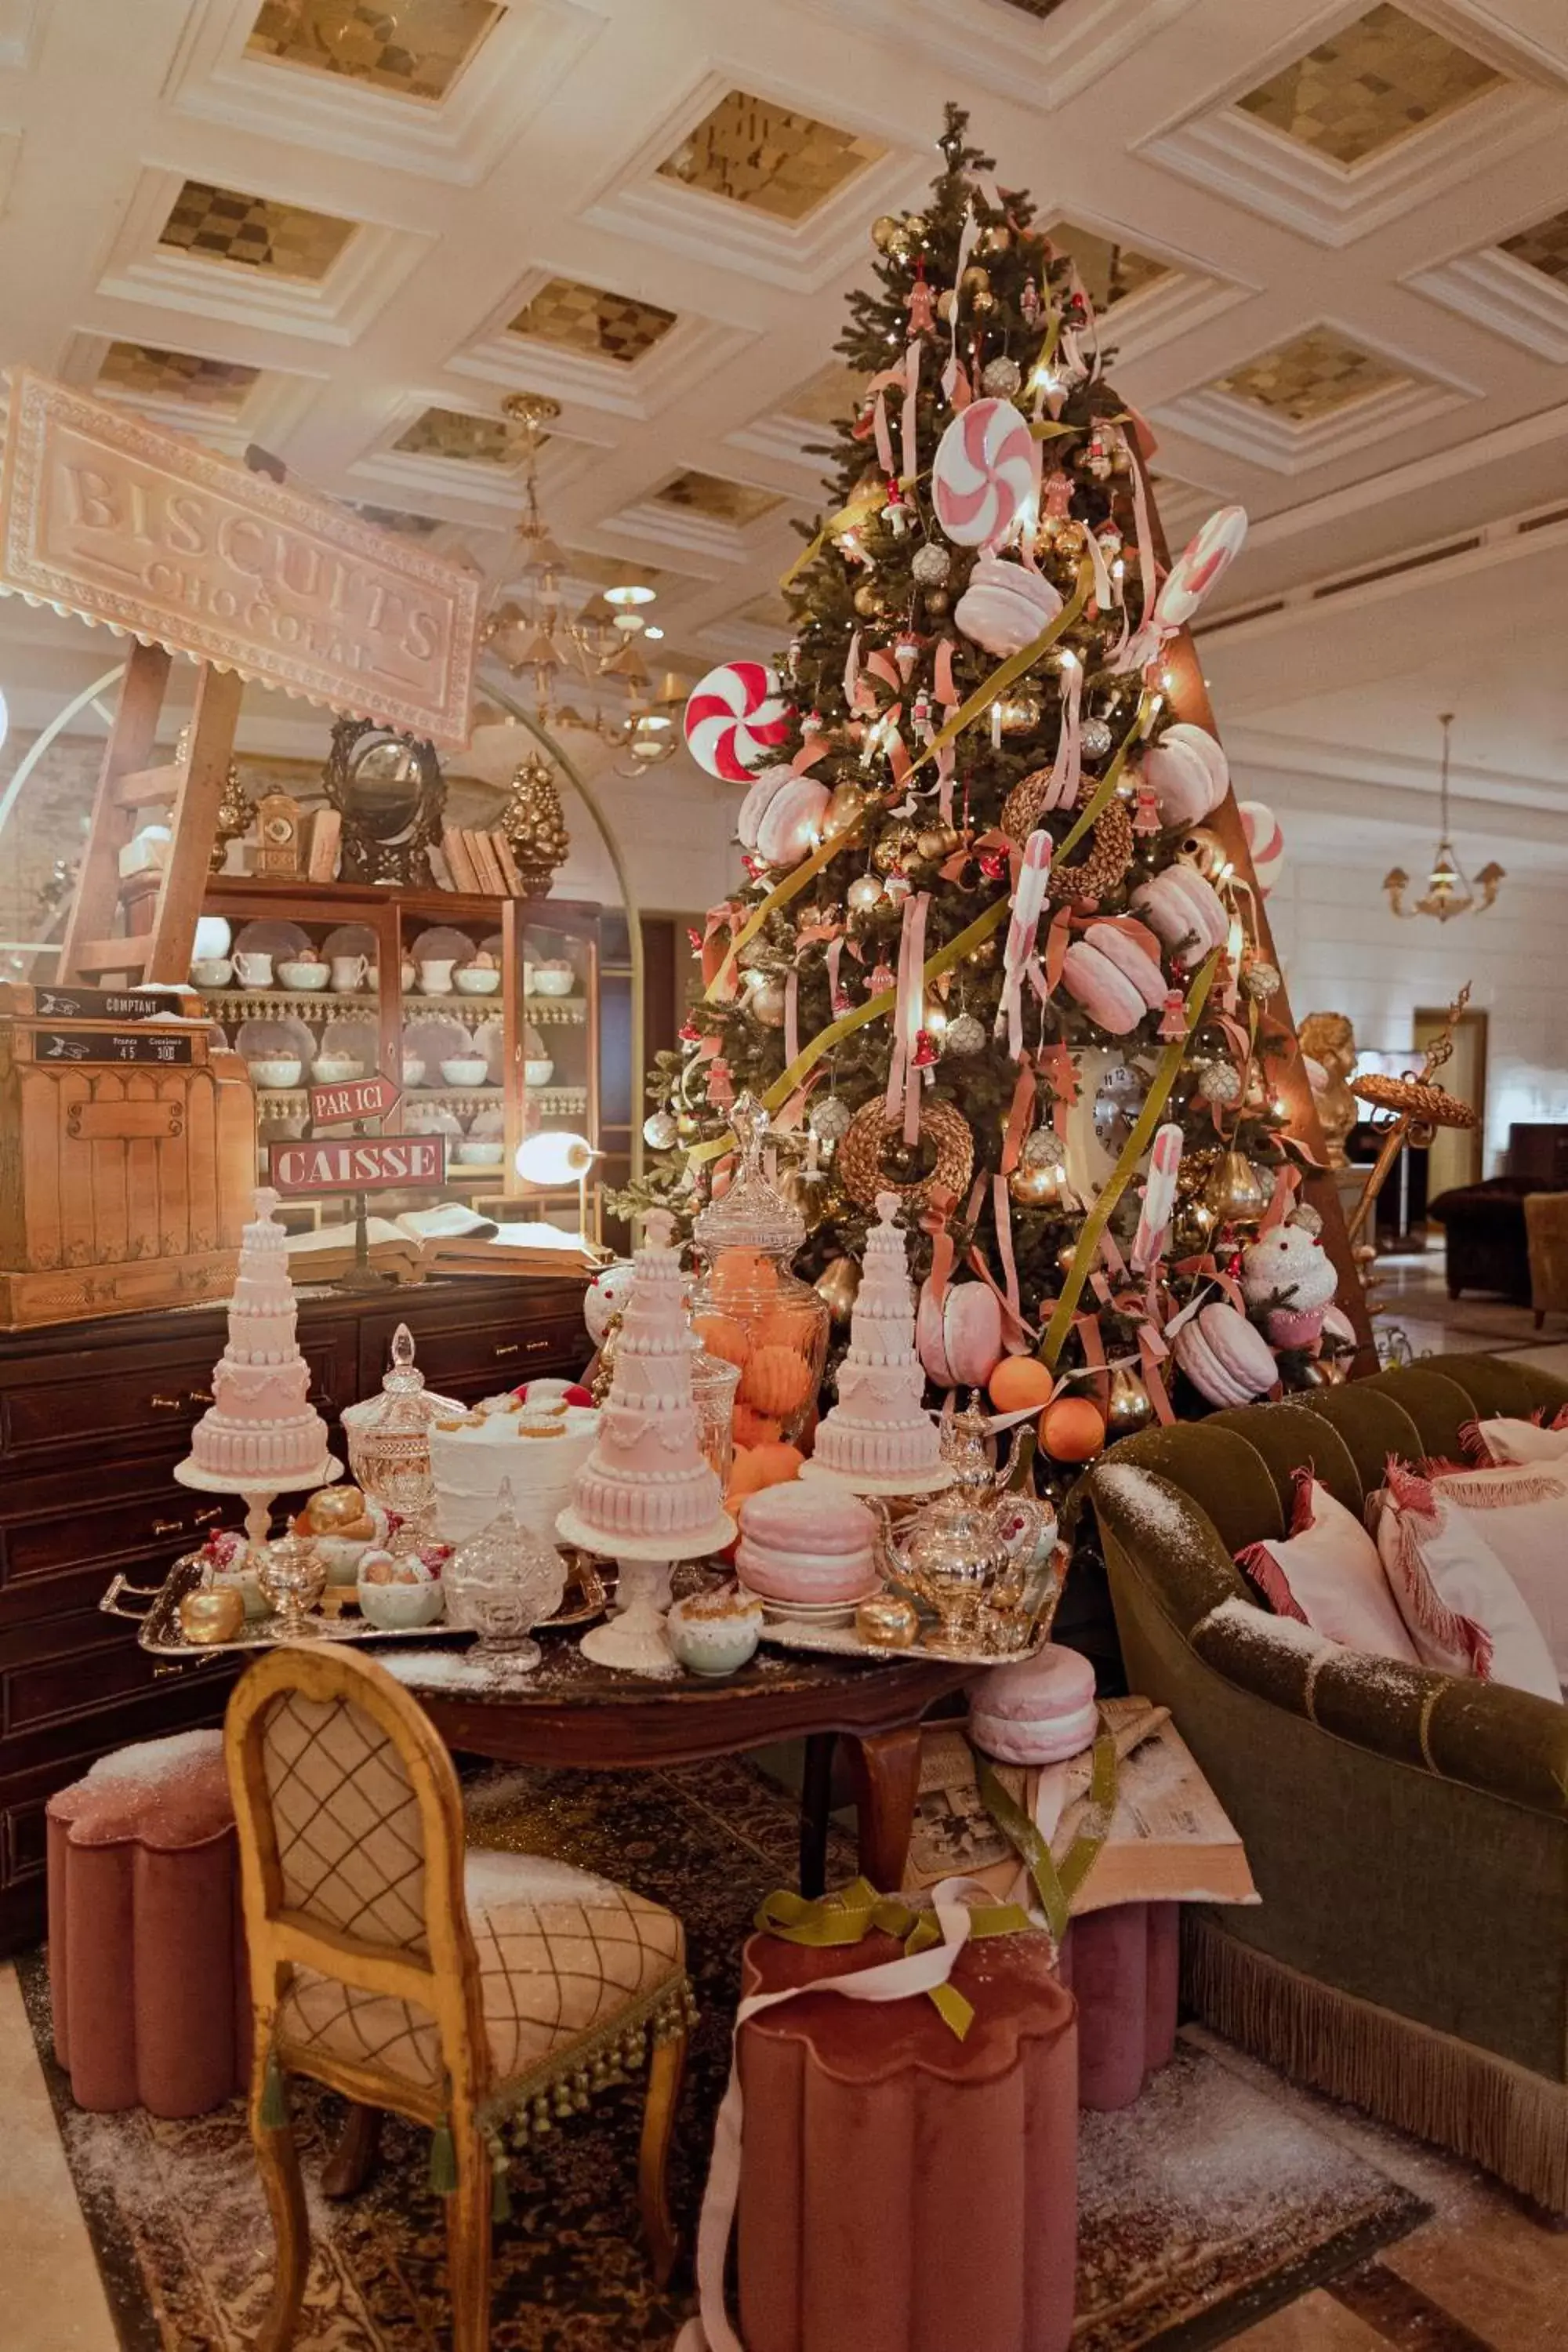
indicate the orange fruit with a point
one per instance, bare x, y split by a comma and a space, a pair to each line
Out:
1073, 1429
753, 1428
737, 1272
776, 1380
722, 1336
1020, 1381
774, 1463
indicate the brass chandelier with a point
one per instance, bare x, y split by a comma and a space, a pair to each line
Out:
1448, 889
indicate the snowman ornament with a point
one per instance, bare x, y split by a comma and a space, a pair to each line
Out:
1288, 1280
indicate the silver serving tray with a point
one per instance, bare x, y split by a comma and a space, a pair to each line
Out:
845, 1642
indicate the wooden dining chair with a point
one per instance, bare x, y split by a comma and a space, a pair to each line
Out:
483, 1994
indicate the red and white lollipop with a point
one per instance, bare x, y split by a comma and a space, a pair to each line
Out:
735, 715
1200, 566
987, 467
1265, 841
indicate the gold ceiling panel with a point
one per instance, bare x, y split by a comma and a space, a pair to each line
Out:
151, 373
1544, 247
589, 319
452, 433
416, 47
830, 397
1311, 376
284, 240
707, 494
1370, 85
1110, 272
756, 154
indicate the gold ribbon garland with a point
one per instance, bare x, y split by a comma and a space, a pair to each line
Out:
851, 1913
1166, 1071
1056, 1887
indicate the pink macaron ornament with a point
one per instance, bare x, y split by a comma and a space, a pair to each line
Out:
791, 825
1040, 1710
959, 1336
1187, 772
807, 1541
768, 782
985, 472
1227, 1358
1005, 606
734, 718
1113, 977
1184, 911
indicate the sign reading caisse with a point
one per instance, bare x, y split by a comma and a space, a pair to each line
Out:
356, 1099
381, 1164
106, 516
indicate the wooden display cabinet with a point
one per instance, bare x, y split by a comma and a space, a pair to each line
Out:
516, 1029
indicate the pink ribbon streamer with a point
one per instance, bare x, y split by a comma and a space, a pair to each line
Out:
909, 424
852, 670
838, 995
903, 1074
882, 436
891, 1980
1067, 768
1028, 905
967, 236
792, 1019
1002, 1218
946, 769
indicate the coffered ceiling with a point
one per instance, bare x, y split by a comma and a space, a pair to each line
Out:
1330, 242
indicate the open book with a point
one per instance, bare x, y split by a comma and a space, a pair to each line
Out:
447, 1239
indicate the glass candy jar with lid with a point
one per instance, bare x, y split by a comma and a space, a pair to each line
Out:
389, 1435
502, 1583
748, 1307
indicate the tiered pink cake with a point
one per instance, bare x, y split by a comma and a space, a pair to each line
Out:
877, 1429
646, 1478
260, 1426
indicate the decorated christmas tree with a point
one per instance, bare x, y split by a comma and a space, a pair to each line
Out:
1000, 948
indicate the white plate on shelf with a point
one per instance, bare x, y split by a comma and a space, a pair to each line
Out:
490, 1039
487, 1125
281, 942
434, 1040
273, 1034
359, 1040
429, 1119
350, 939
441, 945
495, 945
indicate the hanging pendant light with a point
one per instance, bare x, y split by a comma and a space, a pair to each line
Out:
1448, 889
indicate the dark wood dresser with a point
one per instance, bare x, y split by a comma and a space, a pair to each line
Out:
93, 1416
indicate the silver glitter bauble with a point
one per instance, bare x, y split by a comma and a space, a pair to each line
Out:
931, 564
965, 1036
1260, 982
1043, 1148
829, 1119
1219, 1082
1096, 739
659, 1131
1001, 378
1307, 1217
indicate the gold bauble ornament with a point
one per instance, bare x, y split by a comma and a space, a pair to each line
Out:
864, 893
1323, 1372
1070, 541
1042, 1186
868, 600
898, 844
916, 226
1129, 1407
1237, 1191
1065, 1257
984, 302
936, 842
767, 1002
534, 825
886, 1622
995, 239
836, 1285
987, 955
843, 811
975, 281
936, 601
1203, 849
213, 1613
887, 231
807, 1190
945, 301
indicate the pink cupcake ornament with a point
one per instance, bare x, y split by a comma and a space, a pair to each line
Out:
1289, 1266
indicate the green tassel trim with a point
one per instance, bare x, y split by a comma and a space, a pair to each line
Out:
443, 2159
274, 2102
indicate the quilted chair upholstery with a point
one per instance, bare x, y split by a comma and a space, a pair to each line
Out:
1407, 1831
483, 1994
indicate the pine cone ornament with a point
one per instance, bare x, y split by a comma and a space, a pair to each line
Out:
534, 824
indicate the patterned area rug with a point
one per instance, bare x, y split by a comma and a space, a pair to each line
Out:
1201, 2207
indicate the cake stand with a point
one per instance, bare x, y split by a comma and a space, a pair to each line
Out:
259, 1500
635, 1639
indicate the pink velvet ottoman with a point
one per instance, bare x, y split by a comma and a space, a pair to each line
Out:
1123, 1966
146, 1939
902, 2190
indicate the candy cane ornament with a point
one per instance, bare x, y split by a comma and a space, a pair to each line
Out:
986, 470
736, 715
1152, 1236
1265, 841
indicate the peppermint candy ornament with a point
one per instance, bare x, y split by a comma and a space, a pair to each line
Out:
1264, 841
735, 715
987, 467
1201, 565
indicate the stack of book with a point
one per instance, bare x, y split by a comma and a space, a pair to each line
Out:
449, 1239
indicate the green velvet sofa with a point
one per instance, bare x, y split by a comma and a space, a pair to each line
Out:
1407, 1831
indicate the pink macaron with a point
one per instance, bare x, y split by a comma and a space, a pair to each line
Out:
1183, 910
1227, 1358
1039, 1711
807, 1541
960, 1337
1187, 772
1111, 1000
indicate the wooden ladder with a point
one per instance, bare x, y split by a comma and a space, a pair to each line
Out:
190, 789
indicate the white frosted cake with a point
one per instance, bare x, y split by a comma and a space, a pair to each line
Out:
260, 1424
538, 1445
878, 1429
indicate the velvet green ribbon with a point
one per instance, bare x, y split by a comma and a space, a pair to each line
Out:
853, 1912
1055, 1885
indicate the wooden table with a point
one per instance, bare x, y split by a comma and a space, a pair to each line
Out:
570, 1711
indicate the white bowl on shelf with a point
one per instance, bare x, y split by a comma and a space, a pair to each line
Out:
336, 1069
466, 1070
413, 1070
479, 1151
538, 1074
399, 1608
277, 1071
303, 975
552, 979
477, 979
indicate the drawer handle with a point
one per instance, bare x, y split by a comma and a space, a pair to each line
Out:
167, 1404
168, 1527
513, 1348
198, 1396
205, 1518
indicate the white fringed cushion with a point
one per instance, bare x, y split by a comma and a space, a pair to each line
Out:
1536, 1440
1464, 1611
1327, 1574
1519, 1511
561, 1953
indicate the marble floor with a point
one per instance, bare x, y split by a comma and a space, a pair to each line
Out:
1482, 2275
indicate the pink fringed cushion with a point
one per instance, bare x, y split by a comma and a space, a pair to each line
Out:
1327, 1574
1536, 1439
1519, 1509
1465, 1612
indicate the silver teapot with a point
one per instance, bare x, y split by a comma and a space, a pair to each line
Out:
971, 1553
